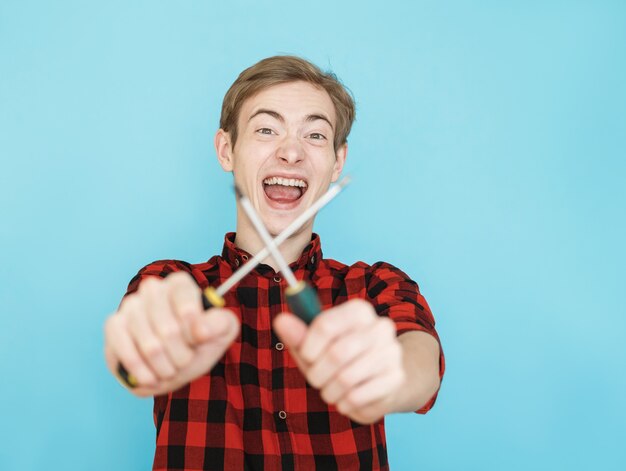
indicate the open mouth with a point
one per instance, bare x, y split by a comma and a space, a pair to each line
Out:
284, 190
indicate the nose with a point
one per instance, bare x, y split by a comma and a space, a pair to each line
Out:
290, 150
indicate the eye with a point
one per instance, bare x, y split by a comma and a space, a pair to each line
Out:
317, 136
266, 131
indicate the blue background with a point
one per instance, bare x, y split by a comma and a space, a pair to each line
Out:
488, 162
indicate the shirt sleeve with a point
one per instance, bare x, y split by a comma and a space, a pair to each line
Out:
159, 269
396, 296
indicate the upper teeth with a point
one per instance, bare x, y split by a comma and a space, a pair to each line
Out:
285, 181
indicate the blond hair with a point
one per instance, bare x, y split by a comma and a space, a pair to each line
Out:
284, 69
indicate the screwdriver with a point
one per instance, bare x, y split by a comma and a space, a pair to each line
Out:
211, 294
301, 297
213, 297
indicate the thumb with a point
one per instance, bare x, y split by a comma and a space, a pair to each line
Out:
215, 324
291, 330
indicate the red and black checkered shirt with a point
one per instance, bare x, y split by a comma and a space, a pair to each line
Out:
254, 410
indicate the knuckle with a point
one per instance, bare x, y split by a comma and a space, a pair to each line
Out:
353, 400
181, 280
185, 299
385, 327
367, 418
186, 309
363, 307
314, 381
326, 327
350, 346
169, 331
345, 378
177, 277
129, 304
149, 285
327, 395
315, 378
152, 349
114, 327
360, 302
348, 402
184, 358
111, 325
132, 364
134, 319
388, 326
336, 352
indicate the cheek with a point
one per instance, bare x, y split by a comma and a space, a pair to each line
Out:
250, 159
325, 165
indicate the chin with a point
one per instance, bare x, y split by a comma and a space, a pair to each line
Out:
276, 223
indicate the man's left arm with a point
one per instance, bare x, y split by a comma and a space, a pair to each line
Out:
420, 361
360, 365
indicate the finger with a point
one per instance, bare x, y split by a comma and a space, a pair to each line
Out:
334, 322
370, 413
186, 301
217, 324
164, 324
120, 348
148, 343
223, 326
292, 331
342, 351
378, 390
373, 364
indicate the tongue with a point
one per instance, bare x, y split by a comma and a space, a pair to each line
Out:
283, 194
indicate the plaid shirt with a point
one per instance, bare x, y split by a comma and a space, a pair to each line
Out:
254, 410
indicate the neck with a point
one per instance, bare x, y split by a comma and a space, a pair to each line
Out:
291, 249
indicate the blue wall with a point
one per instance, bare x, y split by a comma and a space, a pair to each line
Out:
488, 162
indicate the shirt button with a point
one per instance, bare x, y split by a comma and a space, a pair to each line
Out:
282, 414
279, 346
277, 279
313, 259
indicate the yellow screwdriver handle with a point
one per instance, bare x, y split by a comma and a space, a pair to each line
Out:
210, 298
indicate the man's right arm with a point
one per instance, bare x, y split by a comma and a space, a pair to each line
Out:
163, 337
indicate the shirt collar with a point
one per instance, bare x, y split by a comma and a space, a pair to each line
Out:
235, 257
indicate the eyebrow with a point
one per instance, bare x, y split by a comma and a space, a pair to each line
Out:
273, 114
315, 117
279, 117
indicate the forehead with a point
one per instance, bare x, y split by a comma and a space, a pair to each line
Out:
294, 101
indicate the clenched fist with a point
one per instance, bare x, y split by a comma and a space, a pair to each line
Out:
351, 355
163, 337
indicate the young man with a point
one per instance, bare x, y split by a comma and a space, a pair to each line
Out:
250, 386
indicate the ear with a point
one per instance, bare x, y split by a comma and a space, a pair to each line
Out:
224, 150
340, 159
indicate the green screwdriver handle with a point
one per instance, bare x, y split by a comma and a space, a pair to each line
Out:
303, 301
210, 298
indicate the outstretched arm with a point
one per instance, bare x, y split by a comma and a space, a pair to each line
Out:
355, 359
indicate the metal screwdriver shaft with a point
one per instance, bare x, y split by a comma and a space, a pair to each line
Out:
301, 297
214, 297
296, 224
266, 238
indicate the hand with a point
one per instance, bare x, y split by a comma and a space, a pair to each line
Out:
163, 337
351, 354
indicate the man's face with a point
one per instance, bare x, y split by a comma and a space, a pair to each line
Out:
284, 158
